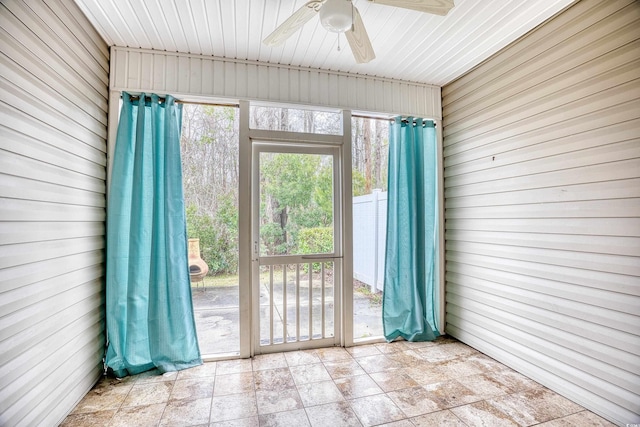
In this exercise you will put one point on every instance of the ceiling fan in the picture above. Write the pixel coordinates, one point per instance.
(341, 16)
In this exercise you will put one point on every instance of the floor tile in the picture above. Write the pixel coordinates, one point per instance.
(242, 382)
(337, 414)
(191, 389)
(302, 357)
(419, 344)
(243, 422)
(513, 381)
(457, 368)
(270, 401)
(94, 419)
(233, 366)
(304, 374)
(394, 380)
(344, 368)
(357, 386)
(154, 376)
(269, 361)
(486, 363)
(139, 416)
(186, 413)
(450, 393)
(273, 379)
(376, 409)
(444, 418)
(439, 383)
(377, 363)
(444, 339)
(319, 393)
(534, 406)
(579, 419)
(207, 369)
(447, 351)
(484, 386)
(391, 347)
(149, 393)
(408, 359)
(480, 414)
(401, 423)
(102, 398)
(333, 354)
(297, 418)
(414, 401)
(233, 406)
(425, 375)
(108, 381)
(363, 350)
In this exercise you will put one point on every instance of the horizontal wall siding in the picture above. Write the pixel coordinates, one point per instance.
(53, 129)
(139, 70)
(542, 206)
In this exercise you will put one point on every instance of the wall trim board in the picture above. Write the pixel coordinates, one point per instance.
(201, 77)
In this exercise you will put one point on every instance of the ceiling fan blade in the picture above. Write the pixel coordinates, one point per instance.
(293, 23)
(436, 7)
(359, 40)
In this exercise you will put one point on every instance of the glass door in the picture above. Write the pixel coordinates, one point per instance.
(296, 254)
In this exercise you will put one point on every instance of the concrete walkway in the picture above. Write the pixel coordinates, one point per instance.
(216, 312)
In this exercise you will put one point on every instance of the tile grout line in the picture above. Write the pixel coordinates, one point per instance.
(213, 391)
(326, 359)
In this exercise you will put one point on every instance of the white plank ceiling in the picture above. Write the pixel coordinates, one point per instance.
(409, 45)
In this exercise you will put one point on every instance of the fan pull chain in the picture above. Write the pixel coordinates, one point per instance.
(338, 42)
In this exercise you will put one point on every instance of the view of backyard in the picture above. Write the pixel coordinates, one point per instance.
(296, 216)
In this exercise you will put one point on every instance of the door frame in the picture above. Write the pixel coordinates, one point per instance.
(258, 260)
(344, 246)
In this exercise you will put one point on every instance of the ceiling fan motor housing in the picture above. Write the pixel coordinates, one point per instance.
(337, 15)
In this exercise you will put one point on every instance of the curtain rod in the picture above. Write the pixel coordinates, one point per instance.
(364, 116)
(359, 116)
(211, 104)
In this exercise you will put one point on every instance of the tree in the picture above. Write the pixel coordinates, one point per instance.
(369, 154)
(288, 186)
(297, 190)
(209, 151)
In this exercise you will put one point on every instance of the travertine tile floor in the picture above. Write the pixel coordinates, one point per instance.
(441, 383)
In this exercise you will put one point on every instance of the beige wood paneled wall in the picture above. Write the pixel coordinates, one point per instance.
(53, 129)
(542, 199)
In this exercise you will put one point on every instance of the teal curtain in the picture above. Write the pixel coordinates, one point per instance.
(409, 303)
(149, 310)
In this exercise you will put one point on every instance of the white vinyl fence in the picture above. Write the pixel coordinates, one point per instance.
(369, 236)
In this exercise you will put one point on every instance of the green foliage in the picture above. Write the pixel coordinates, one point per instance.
(317, 240)
(323, 194)
(296, 194)
(289, 178)
(272, 239)
(227, 214)
(218, 236)
(358, 183)
(296, 200)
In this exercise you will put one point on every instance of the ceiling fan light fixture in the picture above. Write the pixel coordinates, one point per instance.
(337, 15)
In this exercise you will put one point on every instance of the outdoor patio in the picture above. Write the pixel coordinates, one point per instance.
(216, 312)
